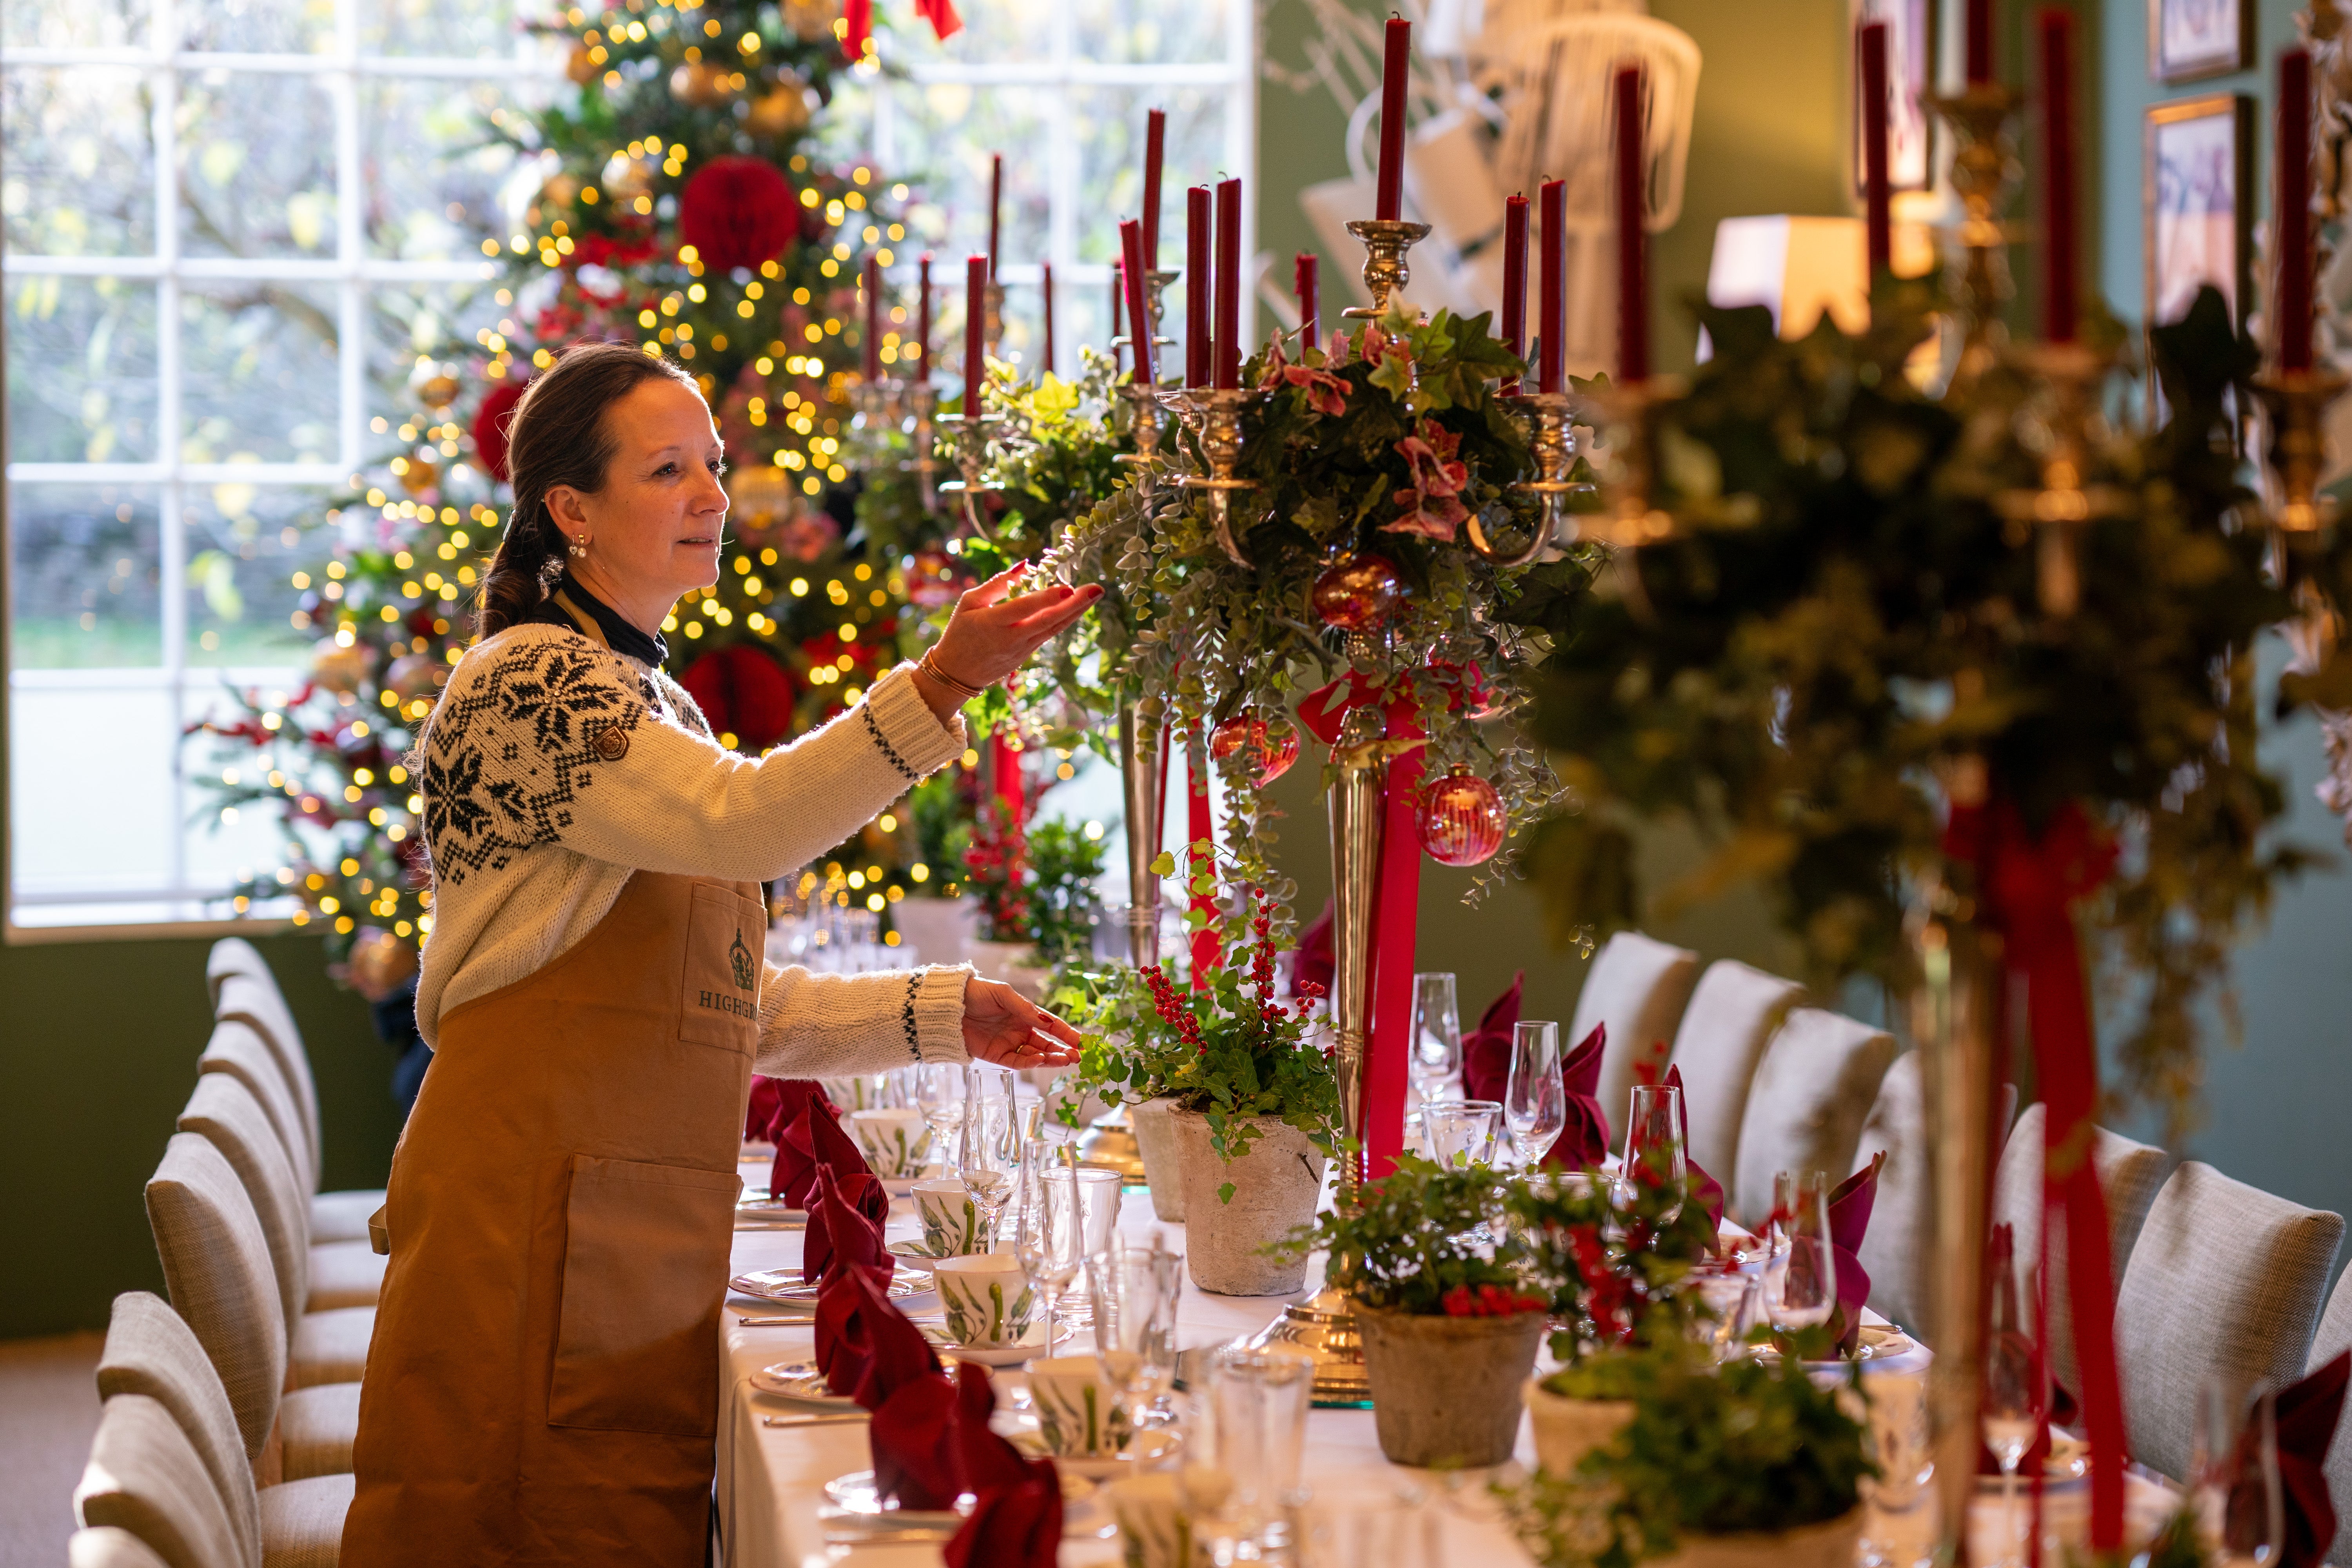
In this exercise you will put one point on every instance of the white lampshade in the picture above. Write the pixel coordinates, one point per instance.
(1797, 267)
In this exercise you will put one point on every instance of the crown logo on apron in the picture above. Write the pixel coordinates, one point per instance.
(740, 956)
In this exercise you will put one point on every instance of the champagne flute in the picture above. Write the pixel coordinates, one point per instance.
(1045, 1236)
(2245, 1525)
(1535, 1099)
(939, 1093)
(1135, 1289)
(991, 1146)
(1800, 1287)
(1653, 1140)
(2015, 1397)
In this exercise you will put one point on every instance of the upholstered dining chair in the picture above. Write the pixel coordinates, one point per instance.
(2225, 1282)
(2129, 1174)
(2333, 1338)
(1811, 1093)
(1637, 985)
(216, 1265)
(1895, 1248)
(146, 1478)
(109, 1546)
(314, 1276)
(1733, 1013)
(239, 1049)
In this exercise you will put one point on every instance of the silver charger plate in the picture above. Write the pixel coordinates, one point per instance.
(799, 1380)
(787, 1285)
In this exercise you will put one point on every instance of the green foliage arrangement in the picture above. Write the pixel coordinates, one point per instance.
(1063, 866)
(1061, 455)
(1623, 1253)
(1410, 1243)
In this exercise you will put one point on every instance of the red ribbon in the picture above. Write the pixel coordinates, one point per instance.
(2028, 887)
(1207, 951)
(858, 16)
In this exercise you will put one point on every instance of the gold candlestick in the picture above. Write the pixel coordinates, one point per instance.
(1386, 240)
(1985, 174)
(2066, 501)
(1629, 517)
(922, 401)
(1147, 399)
(993, 321)
(1220, 415)
(2295, 410)
(1155, 285)
(1552, 441)
(970, 431)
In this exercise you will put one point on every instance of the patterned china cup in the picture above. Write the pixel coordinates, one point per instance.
(1078, 1415)
(951, 1220)
(985, 1300)
(894, 1141)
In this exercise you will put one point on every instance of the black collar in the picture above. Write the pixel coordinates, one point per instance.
(570, 605)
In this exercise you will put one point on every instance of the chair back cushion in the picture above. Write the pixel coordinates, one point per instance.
(238, 1047)
(1732, 1015)
(217, 1265)
(144, 1477)
(1903, 1215)
(224, 1110)
(258, 1002)
(2225, 1282)
(234, 955)
(1813, 1089)
(151, 1352)
(2334, 1337)
(1638, 987)
(109, 1546)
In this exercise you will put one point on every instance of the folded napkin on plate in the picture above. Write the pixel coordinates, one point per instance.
(1583, 1141)
(809, 1135)
(1314, 960)
(1849, 1206)
(2307, 1416)
(1704, 1187)
(1016, 1517)
(760, 1110)
(913, 1440)
(844, 1225)
(1487, 1049)
(866, 1347)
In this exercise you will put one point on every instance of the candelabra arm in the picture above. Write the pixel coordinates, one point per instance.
(1629, 516)
(1220, 415)
(2295, 416)
(971, 432)
(1552, 441)
(2068, 500)
(922, 401)
(1985, 174)
(1386, 271)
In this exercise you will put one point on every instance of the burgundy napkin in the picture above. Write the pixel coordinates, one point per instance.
(809, 1135)
(760, 1112)
(845, 1226)
(1314, 959)
(1583, 1141)
(1487, 1049)
(866, 1347)
(1016, 1517)
(913, 1438)
(1849, 1206)
(1704, 1187)
(2307, 1417)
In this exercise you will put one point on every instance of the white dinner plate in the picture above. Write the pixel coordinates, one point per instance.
(854, 1493)
(799, 1380)
(787, 1285)
(911, 1255)
(1152, 1443)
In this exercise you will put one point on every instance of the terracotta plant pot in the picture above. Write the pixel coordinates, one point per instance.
(1276, 1187)
(1567, 1429)
(1445, 1391)
(1163, 1167)
(1832, 1543)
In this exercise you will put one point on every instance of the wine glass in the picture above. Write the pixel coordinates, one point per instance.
(1653, 1140)
(2246, 1526)
(1436, 1038)
(1135, 1289)
(939, 1094)
(2015, 1397)
(990, 1150)
(1801, 1285)
(1045, 1236)
(1462, 1133)
(1535, 1099)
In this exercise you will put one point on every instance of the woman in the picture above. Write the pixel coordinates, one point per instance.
(543, 1382)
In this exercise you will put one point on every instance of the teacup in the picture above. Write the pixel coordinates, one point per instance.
(894, 1141)
(951, 1220)
(862, 1093)
(1078, 1415)
(985, 1300)
(1153, 1524)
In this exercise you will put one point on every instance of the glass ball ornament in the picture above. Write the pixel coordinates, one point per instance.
(1273, 754)
(1461, 819)
(1356, 593)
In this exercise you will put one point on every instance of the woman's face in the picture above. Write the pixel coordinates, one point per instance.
(654, 531)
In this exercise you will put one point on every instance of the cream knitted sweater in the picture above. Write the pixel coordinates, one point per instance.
(552, 767)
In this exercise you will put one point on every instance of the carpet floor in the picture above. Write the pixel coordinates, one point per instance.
(48, 1412)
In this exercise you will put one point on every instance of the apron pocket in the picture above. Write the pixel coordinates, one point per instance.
(645, 1269)
(726, 938)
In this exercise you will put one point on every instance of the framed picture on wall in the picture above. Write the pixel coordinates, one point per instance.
(2199, 199)
(1910, 128)
(2191, 39)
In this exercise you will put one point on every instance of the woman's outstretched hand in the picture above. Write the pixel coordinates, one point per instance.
(1004, 1027)
(994, 631)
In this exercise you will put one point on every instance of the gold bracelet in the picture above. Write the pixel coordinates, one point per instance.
(931, 666)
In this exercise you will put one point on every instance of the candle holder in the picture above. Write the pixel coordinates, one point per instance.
(970, 431)
(1628, 518)
(922, 401)
(1147, 399)
(1220, 415)
(1551, 440)
(993, 326)
(2065, 503)
(2294, 410)
(1386, 240)
(1985, 174)
(1156, 284)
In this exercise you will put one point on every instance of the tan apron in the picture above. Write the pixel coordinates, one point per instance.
(543, 1382)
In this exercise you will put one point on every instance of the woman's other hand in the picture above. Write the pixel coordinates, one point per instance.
(1004, 1027)
(994, 631)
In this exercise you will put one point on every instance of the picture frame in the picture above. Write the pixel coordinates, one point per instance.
(2197, 201)
(1910, 124)
(2189, 40)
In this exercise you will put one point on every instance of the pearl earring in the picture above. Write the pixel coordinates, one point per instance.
(579, 547)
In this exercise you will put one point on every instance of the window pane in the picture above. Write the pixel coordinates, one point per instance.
(258, 373)
(434, 322)
(1151, 32)
(1108, 126)
(992, 34)
(450, 29)
(82, 757)
(76, 25)
(432, 186)
(257, 27)
(945, 132)
(82, 166)
(81, 370)
(245, 544)
(256, 165)
(85, 580)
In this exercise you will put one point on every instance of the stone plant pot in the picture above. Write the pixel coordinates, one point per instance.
(939, 929)
(1445, 1391)
(1163, 1166)
(1008, 961)
(1833, 1544)
(1275, 1186)
(1567, 1429)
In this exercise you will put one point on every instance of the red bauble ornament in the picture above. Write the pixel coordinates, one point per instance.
(491, 423)
(743, 692)
(1358, 592)
(737, 212)
(1273, 754)
(1461, 819)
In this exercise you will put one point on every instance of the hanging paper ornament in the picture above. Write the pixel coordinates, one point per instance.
(490, 422)
(580, 65)
(743, 692)
(737, 212)
(380, 963)
(340, 670)
(625, 177)
(698, 84)
(808, 537)
(782, 112)
(416, 674)
(759, 499)
(934, 581)
(1272, 754)
(418, 475)
(1461, 819)
(1358, 592)
(559, 192)
(811, 20)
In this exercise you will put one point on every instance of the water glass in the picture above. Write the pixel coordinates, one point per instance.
(2015, 1401)
(1730, 1295)
(2237, 1441)
(1136, 1290)
(1260, 1396)
(939, 1095)
(1534, 1098)
(1436, 1038)
(1460, 1132)
(1800, 1285)
(989, 1152)
(1654, 1139)
(1045, 1233)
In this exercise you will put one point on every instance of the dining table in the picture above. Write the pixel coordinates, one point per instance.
(774, 1463)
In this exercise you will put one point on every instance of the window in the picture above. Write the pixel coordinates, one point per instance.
(230, 226)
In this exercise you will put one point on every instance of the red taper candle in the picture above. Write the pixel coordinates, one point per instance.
(1633, 217)
(1306, 281)
(975, 332)
(872, 344)
(2295, 210)
(1515, 284)
(1139, 309)
(923, 318)
(1227, 365)
(1552, 314)
(1388, 199)
(1118, 299)
(1196, 286)
(1046, 288)
(2060, 269)
(1155, 148)
(995, 208)
(1976, 42)
(1878, 213)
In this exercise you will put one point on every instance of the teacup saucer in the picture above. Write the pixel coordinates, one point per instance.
(1031, 1346)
